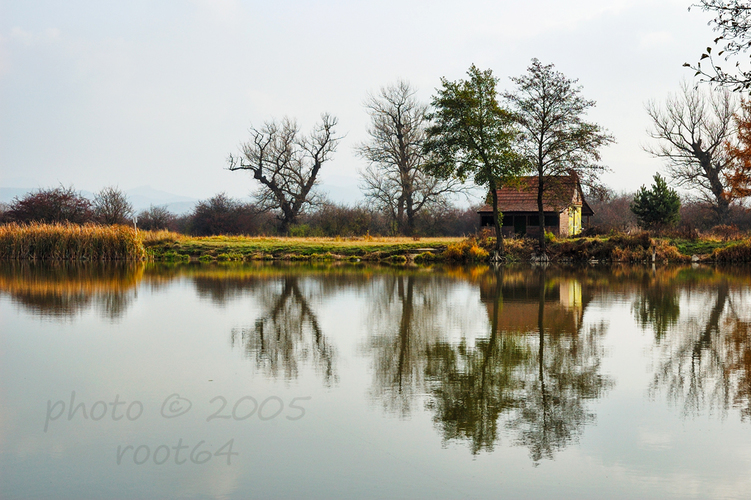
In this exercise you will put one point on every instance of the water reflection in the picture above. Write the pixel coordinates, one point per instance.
(405, 319)
(533, 374)
(287, 334)
(704, 356)
(495, 356)
(64, 289)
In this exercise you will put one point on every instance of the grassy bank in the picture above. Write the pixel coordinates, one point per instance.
(70, 242)
(106, 243)
(164, 245)
(640, 247)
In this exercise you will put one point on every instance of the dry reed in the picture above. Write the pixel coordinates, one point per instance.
(70, 242)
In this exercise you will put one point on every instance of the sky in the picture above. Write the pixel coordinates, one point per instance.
(135, 93)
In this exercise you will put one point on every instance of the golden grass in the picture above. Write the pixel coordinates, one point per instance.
(150, 237)
(69, 242)
(736, 252)
(161, 236)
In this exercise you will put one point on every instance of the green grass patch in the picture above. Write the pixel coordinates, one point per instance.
(279, 248)
(698, 247)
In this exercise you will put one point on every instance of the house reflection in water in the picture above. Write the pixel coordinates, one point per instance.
(522, 296)
(530, 378)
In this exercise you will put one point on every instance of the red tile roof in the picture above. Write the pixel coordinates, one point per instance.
(559, 194)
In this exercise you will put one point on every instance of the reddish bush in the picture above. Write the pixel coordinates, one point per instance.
(51, 206)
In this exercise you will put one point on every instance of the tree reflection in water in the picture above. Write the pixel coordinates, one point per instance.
(288, 334)
(408, 314)
(529, 376)
(657, 304)
(704, 359)
(532, 374)
(553, 409)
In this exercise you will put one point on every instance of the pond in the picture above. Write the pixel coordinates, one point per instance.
(352, 381)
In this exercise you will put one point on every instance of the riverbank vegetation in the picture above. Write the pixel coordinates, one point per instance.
(89, 242)
(80, 242)
(615, 247)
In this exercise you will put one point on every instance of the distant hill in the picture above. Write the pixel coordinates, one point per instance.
(141, 197)
(144, 196)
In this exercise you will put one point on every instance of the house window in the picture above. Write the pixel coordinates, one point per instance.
(508, 220)
(534, 220)
(551, 220)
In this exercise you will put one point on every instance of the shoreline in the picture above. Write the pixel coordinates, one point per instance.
(68, 242)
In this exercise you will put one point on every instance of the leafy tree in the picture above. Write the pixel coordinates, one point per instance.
(471, 135)
(393, 180)
(286, 164)
(658, 206)
(733, 21)
(111, 206)
(555, 139)
(56, 205)
(693, 130)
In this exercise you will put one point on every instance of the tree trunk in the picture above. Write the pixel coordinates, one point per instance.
(499, 246)
(713, 174)
(541, 214)
(723, 210)
(410, 229)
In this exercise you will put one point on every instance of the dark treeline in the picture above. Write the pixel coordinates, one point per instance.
(222, 214)
(613, 213)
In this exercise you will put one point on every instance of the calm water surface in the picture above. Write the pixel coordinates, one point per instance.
(346, 381)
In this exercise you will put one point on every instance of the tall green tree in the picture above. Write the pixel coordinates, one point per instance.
(555, 139)
(472, 136)
(658, 206)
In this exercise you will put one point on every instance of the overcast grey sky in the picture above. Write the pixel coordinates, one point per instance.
(158, 93)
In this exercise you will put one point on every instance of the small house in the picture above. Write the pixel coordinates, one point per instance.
(564, 207)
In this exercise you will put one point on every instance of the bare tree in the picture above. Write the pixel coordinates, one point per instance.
(111, 206)
(156, 218)
(286, 164)
(693, 130)
(393, 181)
(4, 207)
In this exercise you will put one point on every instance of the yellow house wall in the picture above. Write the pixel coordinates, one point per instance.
(574, 220)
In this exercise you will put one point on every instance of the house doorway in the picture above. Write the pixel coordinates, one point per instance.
(520, 224)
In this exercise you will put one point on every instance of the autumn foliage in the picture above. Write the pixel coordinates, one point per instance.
(738, 178)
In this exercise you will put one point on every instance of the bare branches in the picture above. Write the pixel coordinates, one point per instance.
(111, 206)
(286, 163)
(693, 129)
(393, 181)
